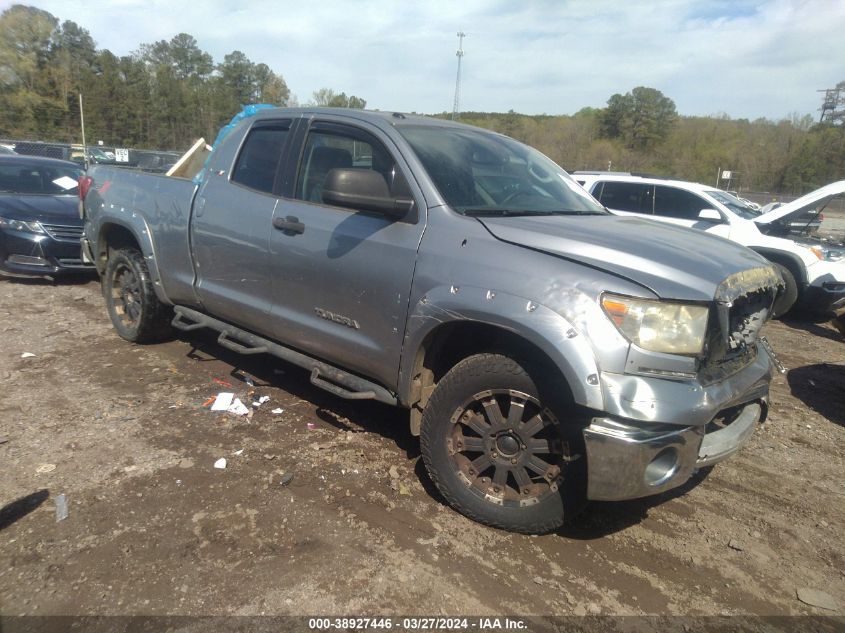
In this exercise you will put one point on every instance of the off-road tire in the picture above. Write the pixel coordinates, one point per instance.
(501, 377)
(136, 313)
(785, 302)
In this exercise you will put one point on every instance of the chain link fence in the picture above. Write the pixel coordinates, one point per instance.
(144, 159)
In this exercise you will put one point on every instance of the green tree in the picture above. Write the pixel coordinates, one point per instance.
(26, 100)
(326, 97)
(641, 118)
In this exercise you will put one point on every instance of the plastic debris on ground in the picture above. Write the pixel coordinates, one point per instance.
(311, 426)
(278, 411)
(46, 468)
(223, 401)
(260, 401)
(220, 463)
(242, 376)
(61, 508)
(238, 452)
(222, 382)
(27, 355)
(238, 408)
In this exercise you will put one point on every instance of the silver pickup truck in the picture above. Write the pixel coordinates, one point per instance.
(548, 351)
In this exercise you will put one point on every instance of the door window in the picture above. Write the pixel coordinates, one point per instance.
(259, 157)
(671, 202)
(336, 149)
(628, 196)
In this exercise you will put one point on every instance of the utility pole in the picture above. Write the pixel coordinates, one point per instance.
(457, 105)
(82, 124)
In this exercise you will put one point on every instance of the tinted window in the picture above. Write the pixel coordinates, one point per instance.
(332, 149)
(39, 179)
(677, 203)
(628, 196)
(259, 157)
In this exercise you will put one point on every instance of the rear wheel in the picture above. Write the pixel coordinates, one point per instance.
(132, 304)
(495, 447)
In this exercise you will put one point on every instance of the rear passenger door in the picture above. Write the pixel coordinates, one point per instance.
(342, 277)
(231, 230)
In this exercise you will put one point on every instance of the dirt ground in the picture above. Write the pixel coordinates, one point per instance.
(154, 528)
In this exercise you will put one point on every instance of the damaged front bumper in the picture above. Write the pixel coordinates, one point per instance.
(654, 442)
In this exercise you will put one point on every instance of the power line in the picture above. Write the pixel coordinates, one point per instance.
(456, 107)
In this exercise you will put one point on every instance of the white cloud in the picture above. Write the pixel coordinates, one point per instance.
(748, 58)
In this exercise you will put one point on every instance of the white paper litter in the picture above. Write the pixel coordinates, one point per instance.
(277, 411)
(61, 508)
(220, 463)
(238, 452)
(260, 401)
(27, 355)
(223, 401)
(238, 408)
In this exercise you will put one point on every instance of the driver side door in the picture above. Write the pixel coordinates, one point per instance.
(342, 277)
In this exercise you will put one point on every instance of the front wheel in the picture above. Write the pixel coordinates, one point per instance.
(495, 447)
(789, 296)
(134, 309)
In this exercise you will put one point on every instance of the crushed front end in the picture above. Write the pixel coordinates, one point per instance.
(664, 418)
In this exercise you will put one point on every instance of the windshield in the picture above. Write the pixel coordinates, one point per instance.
(734, 204)
(53, 180)
(482, 173)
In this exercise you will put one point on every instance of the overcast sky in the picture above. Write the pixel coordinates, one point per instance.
(745, 58)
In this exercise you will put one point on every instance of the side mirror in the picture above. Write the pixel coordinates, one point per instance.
(710, 215)
(364, 190)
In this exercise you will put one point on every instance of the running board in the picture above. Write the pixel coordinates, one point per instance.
(325, 376)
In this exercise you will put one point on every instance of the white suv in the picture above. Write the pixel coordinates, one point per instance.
(813, 272)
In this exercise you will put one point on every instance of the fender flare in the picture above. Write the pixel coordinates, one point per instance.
(564, 344)
(135, 224)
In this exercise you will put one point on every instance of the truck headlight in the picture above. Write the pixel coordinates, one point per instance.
(20, 225)
(658, 326)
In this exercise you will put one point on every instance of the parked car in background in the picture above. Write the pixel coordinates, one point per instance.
(40, 227)
(814, 278)
(95, 155)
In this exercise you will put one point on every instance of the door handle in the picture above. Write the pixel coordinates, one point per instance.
(289, 225)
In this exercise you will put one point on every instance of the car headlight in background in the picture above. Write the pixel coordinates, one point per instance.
(658, 326)
(20, 225)
(826, 254)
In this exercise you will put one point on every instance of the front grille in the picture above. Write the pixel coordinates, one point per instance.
(63, 232)
(743, 305)
(746, 317)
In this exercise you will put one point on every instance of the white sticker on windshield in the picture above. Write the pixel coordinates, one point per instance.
(65, 182)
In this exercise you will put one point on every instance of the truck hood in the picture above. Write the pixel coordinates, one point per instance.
(40, 208)
(672, 262)
(812, 200)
